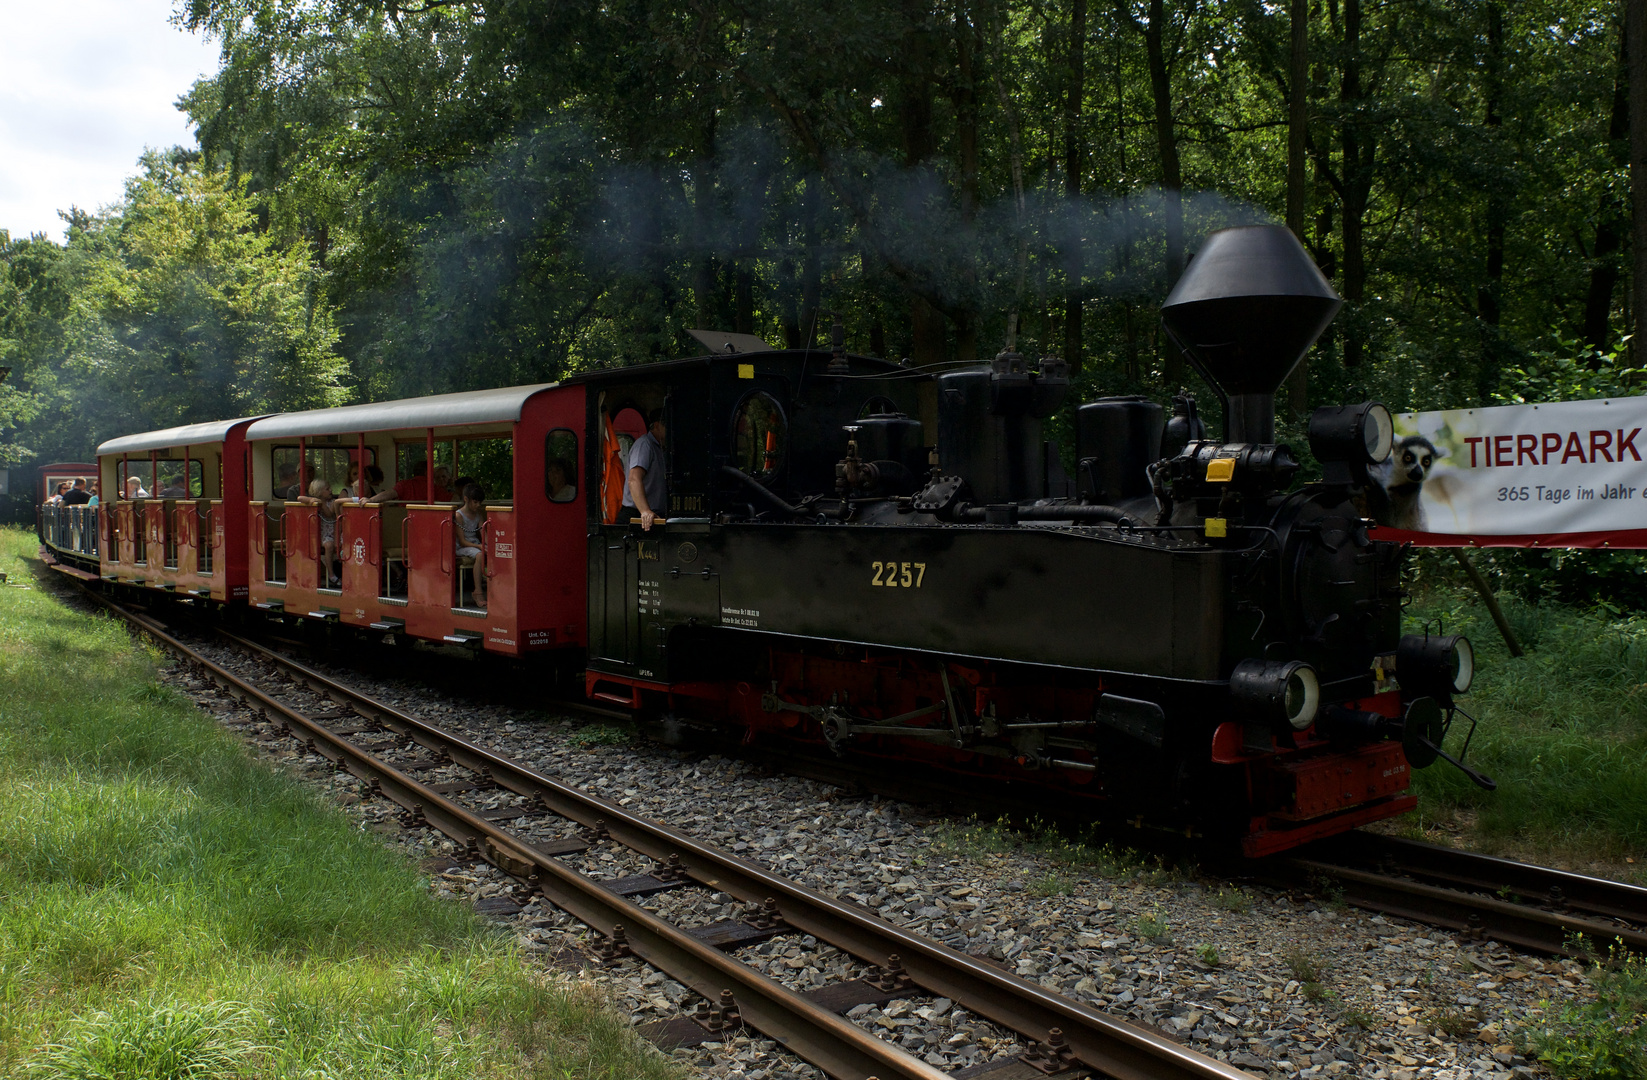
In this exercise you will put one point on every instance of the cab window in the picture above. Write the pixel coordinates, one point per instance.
(759, 435)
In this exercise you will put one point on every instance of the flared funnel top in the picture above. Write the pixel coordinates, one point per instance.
(1248, 307)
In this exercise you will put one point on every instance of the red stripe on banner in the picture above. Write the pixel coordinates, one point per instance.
(1617, 538)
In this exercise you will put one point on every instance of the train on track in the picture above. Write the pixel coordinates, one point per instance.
(869, 559)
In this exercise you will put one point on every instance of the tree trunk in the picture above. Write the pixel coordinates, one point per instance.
(1636, 37)
(915, 127)
(1298, 74)
(1074, 260)
(1172, 179)
(1357, 185)
(706, 275)
(1598, 300)
(968, 55)
(1490, 296)
(743, 299)
(811, 263)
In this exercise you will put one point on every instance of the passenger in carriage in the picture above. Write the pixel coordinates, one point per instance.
(174, 488)
(560, 481)
(415, 488)
(287, 486)
(56, 498)
(77, 495)
(135, 488)
(471, 536)
(374, 481)
(320, 494)
(94, 500)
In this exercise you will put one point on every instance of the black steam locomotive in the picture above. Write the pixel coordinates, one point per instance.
(1175, 628)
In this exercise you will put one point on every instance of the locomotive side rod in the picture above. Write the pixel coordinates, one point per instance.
(834, 1044)
(1111, 1046)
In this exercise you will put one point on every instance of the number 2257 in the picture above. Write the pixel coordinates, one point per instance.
(899, 575)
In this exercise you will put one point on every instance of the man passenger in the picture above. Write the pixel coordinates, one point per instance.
(647, 490)
(135, 488)
(415, 488)
(77, 495)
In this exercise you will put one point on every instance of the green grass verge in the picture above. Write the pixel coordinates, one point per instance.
(1563, 729)
(169, 907)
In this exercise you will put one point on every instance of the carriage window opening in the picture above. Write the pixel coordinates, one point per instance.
(487, 462)
(560, 465)
(409, 455)
(179, 479)
(135, 469)
(759, 435)
(328, 463)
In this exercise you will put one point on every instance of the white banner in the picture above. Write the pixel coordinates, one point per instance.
(1567, 474)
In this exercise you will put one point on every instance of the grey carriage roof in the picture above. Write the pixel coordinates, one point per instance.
(187, 435)
(503, 404)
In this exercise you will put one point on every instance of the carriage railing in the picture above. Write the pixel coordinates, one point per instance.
(274, 543)
(205, 535)
(140, 532)
(168, 533)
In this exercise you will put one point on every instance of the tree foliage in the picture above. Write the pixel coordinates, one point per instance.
(410, 197)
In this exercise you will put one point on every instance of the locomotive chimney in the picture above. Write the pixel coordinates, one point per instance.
(1247, 309)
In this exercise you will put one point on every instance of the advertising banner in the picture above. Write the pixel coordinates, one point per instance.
(1567, 474)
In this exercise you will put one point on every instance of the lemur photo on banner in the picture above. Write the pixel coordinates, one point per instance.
(1565, 474)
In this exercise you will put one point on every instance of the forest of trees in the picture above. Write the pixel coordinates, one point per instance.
(393, 199)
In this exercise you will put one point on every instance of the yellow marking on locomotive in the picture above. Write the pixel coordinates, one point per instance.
(1220, 470)
(746, 371)
(896, 575)
(1217, 527)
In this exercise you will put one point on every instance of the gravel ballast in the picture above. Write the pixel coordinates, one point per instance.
(1279, 985)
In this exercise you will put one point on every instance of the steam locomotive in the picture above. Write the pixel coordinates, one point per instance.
(886, 564)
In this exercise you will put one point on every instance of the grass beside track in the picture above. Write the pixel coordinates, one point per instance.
(169, 907)
(1563, 729)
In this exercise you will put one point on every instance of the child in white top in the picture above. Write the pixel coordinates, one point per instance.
(471, 536)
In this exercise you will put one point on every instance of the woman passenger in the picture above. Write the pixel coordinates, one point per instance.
(320, 494)
(471, 536)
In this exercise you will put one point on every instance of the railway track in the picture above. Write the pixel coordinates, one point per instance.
(1531, 907)
(1525, 906)
(1064, 1038)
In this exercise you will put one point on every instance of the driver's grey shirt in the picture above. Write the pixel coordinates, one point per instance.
(647, 454)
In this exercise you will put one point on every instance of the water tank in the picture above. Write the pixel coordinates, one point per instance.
(1000, 456)
(1117, 438)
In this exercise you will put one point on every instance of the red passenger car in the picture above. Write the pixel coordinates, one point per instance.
(396, 566)
(174, 509)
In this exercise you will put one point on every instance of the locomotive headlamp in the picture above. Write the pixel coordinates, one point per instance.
(1358, 434)
(1282, 690)
(1435, 665)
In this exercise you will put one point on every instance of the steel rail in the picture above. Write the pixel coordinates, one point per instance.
(819, 1035)
(1101, 1042)
(1560, 889)
(1475, 894)
(1525, 927)
(838, 1047)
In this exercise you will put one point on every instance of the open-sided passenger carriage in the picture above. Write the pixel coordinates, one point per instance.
(185, 532)
(69, 531)
(397, 567)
